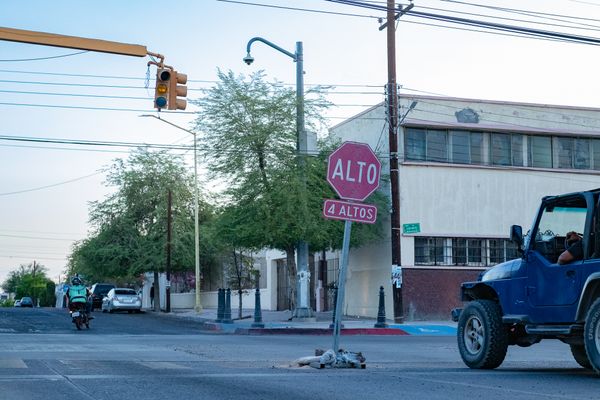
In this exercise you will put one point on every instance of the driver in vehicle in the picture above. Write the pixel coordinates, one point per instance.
(574, 249)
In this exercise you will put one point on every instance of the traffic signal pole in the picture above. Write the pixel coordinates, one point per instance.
(74, 42)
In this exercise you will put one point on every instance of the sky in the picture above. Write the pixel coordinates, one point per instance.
(65, 94)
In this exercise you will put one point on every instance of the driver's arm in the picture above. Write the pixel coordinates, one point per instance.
(565, 257)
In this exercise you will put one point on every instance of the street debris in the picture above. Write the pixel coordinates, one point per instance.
(328, 359)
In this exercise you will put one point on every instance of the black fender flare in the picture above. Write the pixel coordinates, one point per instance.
(478, 290)
(590, 292)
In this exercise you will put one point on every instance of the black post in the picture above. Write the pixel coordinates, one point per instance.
(258, 322)
(220, 305)
(381, 312)
(227, 315)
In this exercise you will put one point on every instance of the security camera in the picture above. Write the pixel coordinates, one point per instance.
(248, 59)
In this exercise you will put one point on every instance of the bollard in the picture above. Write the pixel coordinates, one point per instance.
(381, 312)
(258, 322)
(220, 305)
(227, 314)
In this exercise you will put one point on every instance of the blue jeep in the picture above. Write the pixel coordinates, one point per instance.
(522, 301)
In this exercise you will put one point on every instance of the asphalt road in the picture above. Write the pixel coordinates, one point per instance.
(145, 356)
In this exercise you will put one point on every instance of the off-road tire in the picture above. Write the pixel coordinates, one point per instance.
(579, 354)
(482, 338)
(591, 335)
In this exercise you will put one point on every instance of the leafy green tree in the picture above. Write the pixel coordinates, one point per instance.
(130, 225)
(248, 128)
(30, 280)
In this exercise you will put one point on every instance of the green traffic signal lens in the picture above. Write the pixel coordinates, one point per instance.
(161, 102)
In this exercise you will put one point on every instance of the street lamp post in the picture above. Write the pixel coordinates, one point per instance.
(303, 309)
(198, 304)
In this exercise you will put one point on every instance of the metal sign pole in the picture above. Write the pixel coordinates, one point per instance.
(341, 286)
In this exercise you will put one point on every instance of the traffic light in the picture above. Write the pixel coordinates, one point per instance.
(161, 93)
(176, 90)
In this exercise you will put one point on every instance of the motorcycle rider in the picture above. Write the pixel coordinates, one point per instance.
(78, 293)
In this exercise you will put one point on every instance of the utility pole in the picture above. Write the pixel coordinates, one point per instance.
(169, 225)
(392, 93)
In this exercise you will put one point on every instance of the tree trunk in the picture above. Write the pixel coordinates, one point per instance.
(291, 266)
(240, 304)
(156, 292)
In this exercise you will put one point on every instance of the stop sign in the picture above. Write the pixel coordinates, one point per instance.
(353, 171)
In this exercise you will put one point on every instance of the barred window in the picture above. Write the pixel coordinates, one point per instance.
(474, 252)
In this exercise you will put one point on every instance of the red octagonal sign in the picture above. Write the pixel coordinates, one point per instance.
(353, 171)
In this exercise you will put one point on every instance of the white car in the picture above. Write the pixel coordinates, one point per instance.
(121, 299)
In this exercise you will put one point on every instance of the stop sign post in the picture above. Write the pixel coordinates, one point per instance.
(353, 171)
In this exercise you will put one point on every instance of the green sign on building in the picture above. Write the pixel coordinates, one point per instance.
(411, 228)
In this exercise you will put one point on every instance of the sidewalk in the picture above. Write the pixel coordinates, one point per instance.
(281, 323)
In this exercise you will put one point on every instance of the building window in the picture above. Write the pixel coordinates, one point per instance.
(414, 144)
(437, 146)
(500, 149)
(429, 251)
(540, 151)
(595, 154)
(564, 152)
(581, 158)
(474, 252)
(517, 150)
(460, 145)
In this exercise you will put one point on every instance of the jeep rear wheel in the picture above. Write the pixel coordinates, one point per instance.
(591, 335)
(482, 338)
(579, 354)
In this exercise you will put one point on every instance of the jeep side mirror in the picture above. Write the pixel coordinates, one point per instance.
(516, 235)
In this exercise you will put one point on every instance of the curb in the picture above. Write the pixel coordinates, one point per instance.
(221, 328)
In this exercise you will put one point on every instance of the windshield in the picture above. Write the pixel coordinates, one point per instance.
(556, 220)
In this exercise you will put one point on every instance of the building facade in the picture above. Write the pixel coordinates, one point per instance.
(469, 169)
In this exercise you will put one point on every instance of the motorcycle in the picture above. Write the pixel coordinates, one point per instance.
(80, 316)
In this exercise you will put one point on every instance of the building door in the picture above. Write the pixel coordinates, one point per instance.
(283, 289)
(331, 278)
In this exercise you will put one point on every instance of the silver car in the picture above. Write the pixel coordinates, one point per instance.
(121, 299)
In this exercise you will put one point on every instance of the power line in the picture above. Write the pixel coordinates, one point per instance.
(36, 237)
(50, 186)
(93, 142)
(526, 32)
(46, 58)
(93, 108)
(247, 3)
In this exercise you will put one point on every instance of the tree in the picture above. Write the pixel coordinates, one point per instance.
(248, 128)
(31, 280)
(130, 225)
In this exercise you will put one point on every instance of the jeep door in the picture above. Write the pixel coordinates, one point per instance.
(553, 289)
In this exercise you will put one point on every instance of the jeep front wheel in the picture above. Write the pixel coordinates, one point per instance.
(591, 335)
(482, 338)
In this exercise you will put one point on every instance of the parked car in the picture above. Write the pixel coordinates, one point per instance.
(17, 303)
(122, 299)
(27, 302)
(99, 291)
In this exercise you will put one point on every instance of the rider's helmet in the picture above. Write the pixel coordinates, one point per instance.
(76, 280)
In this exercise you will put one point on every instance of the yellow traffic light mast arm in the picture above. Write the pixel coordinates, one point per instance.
(74, 42)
